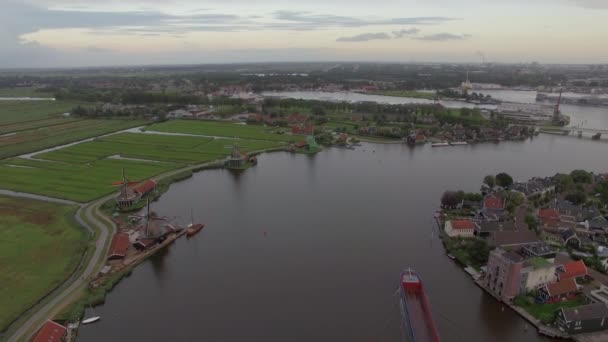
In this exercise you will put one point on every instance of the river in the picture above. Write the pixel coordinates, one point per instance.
(309, 248)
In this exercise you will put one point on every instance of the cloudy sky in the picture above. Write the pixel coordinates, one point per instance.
(62, 33)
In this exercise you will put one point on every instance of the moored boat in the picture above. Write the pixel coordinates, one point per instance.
(193, 229)
(440, 144)
(459, 143)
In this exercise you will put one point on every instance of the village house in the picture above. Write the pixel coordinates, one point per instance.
(537, 272)
(460, 228)
(503, 274)
(534, 187)
(573, 269)
(538, 249)
(583, 319)
(50, 331)
(493, 208)
(118, 246)
(566, 289)
(512, 240)
(486, 228)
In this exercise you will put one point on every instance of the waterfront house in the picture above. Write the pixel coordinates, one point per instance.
(460, 228)
(555, 292)
(536, 273)
(50, 331)
(118, 246)
(503, 274)
(547, 215)
(574, 269)
(583, 319)
(512, 239)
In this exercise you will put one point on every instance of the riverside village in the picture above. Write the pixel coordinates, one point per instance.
(538, 246)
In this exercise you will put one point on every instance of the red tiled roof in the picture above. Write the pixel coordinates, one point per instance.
(119, 245)
(574, 269)
(301, 143)
(145, 187)
(562, 287)
(462, 224)
(50, 332)
(492, 202)
(548, 214)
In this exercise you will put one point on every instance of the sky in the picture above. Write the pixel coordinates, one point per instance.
(76, 33)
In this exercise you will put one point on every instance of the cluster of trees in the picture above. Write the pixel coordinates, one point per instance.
(451, 199)
(502, 179)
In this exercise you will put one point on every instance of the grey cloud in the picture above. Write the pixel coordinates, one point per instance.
(405, 32)
(308, 18)
(95, 49)
(596, 4)
(442, 37)
(364, 37)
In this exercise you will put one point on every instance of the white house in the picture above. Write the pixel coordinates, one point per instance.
(460, 228)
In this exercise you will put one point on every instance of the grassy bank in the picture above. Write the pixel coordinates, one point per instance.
(545, 312)
(223, 129)
(406, 93)
(40, 246)
(20, 111)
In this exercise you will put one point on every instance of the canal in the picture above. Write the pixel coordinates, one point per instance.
(309, 248)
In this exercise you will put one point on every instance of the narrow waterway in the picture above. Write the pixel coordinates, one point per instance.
(309, 248)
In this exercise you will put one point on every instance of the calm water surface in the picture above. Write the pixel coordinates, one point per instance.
(309, 248)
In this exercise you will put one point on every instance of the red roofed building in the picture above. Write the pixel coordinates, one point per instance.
(50, 332)
(555, 292)
(302, 129)
(548, 216)
(573, 269)
(145, 187)
(460, 228)
(296, 118)
(119, 246)
(301, 144)
(493, 202)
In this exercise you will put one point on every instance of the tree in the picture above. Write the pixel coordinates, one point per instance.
(451, 199)
(318, 110)
(479, 251)
(581, 176)
(563, 182)
(531, 222)
(504, 180)
(490, 181)
(578, 197)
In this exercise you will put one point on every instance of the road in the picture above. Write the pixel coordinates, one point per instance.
(37, 197)
(43, 312)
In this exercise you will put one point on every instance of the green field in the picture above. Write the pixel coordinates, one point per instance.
(84, 172)
(545, 312)
(19, 111)
(40, 245)
(27, 141)
(23, 92)
(223, 129)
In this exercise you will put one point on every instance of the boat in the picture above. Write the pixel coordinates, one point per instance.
(91, 319)
(458, 143)
(417, 319)
(193, 228)
(440, 144)
(451, 256)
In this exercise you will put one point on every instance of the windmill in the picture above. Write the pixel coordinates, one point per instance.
(236, 160)
(151, 228)
(127, 196)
